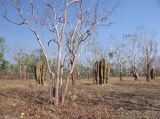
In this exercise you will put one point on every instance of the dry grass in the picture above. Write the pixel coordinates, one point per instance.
(127, 99)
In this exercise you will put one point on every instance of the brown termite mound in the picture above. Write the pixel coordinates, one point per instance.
(41, 72)
(101, 72)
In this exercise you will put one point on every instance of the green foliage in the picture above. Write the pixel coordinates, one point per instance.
(13, 68)
(73, 95)
(31, 63)
(1, 56)
(25, 62)
(2, 49)
(111, 54)
(39, 54)
(157, 71)
(114, 71)
(3, 63)
(84, 71)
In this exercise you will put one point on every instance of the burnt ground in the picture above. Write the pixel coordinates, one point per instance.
(126, 99)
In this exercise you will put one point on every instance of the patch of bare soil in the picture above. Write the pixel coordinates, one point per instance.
(126, 99)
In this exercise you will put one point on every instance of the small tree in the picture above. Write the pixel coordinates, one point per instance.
(132, 50)
(58, 22)
(119, 51)
(148, 48)
(21, 59)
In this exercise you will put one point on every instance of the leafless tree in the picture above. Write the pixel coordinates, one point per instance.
(121, 58)
(132, 50)
(22, 61)
(59, 18)
(96, 52)
(119, 51)
(148, 48)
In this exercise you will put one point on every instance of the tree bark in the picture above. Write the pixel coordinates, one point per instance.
(121, 74)
(58, 75)
(67, 82)
(148, 72)
(72, 76)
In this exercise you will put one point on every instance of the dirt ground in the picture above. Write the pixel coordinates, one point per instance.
(127, 99)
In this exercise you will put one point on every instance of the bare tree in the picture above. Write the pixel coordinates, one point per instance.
(119, 52)
(56, 18)
(132, 50)
(121, 58)
(96, 52)
(21, 60)
(148, 48)
(73, 48)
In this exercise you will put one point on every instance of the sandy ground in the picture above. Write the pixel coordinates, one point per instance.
(127, 99)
